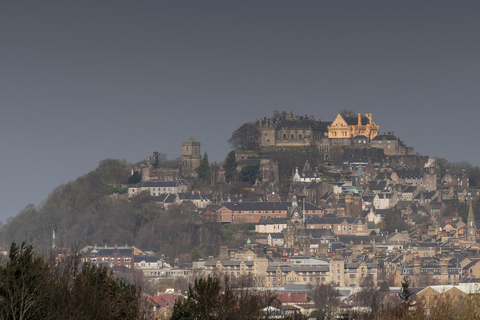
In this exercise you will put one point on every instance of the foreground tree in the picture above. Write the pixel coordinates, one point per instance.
(211, 298)
(246, 137)
(32, 287)
(327, 299)
(23, 293)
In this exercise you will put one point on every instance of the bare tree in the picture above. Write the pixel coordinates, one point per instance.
(327, 298)
(246, 137)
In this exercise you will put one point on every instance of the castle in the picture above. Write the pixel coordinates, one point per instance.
(287, 129)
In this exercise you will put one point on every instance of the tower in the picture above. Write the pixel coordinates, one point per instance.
(294, 222)
(190, 157)
(471, 227)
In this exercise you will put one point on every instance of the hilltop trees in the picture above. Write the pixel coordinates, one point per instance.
(246, 137)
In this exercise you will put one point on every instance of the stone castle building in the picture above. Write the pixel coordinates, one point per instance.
(351, 126)
(287, 129)
(190, 157)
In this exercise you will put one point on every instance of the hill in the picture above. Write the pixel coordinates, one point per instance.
(82, 212)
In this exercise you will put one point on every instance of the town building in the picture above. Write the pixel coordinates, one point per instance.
(157, 188)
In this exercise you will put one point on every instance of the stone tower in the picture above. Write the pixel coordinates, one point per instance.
(190, 157)
(294, 222)
(471, 227)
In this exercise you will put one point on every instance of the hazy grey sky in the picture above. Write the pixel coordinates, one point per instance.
(88, 80)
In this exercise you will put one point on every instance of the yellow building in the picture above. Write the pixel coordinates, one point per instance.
(351, 126)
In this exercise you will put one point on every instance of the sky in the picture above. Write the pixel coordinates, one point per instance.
(88, 80)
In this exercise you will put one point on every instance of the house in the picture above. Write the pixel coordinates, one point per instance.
(150, 266)
(421, 177)
(111, 256)
(158, 187)
(339, 225)
(270, 225)
(391, 145)
(282, 273)
(456, 180)
(307, 175)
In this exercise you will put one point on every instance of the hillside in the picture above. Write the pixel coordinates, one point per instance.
(82, 213)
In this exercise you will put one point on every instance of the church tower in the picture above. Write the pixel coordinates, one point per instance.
(190, 157)
(471, 227)
(294, 222)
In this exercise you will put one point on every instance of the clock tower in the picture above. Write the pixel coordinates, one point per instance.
(471, 227)
(294, 222)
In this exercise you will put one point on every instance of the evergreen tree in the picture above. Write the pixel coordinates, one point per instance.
(406, 292)
(203, 170)
(210, 298)
(250, 174)
(230, 166)
(384, 287)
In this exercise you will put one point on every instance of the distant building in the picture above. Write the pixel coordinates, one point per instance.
(391, 145)
(190, 157)
(156, 188)
(344, 127)
(252, 212)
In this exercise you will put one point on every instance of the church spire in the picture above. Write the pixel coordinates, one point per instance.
(471, 217)
(471, 227)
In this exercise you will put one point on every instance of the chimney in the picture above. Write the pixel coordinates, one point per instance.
(359, 119)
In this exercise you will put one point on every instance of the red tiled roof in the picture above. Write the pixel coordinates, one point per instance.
(292, 297)
(165, 300)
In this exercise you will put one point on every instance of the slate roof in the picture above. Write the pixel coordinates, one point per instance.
(228, 263)
(377, 185)
(190, 196)
(384, 137)
(166, 197)
(353, 121)
(409, 189)
(145, 258)
(332, 219)
(299, 268)
(263, 206)
(109, 251)
(314, 233)
(298, 124)
(269, 220)
(368, 198)
(416, 173)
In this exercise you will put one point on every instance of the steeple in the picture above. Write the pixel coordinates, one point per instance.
(471, 227)
(470, 214)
